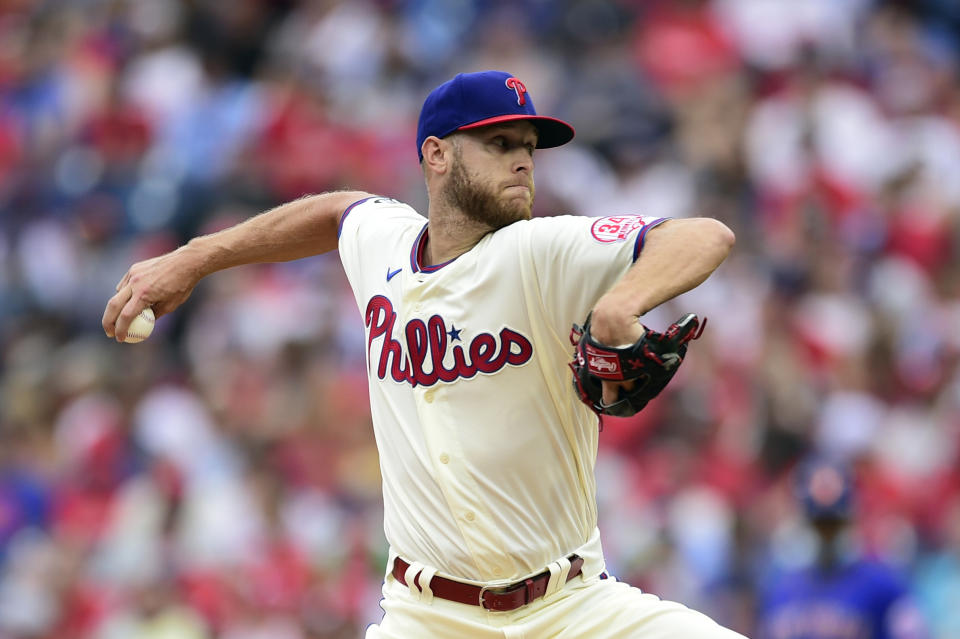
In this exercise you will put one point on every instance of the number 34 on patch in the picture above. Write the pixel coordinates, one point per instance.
(616, 228)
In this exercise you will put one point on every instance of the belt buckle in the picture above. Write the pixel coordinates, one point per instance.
(484, 589)
(497, 590)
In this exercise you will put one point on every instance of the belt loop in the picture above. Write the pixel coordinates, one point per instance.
(554, 583)
(410, 576)
(558, 576)
(426, 576)
(528, 595)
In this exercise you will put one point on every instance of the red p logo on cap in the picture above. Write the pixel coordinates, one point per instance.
(518, 86)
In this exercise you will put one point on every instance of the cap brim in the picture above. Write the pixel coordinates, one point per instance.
(551, 132)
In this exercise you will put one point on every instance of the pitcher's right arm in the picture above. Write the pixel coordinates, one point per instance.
(300, 228)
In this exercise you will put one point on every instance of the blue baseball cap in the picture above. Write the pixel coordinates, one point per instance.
(472, 100)
(825, 488)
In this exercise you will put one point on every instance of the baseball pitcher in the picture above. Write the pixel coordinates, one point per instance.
(493, 342)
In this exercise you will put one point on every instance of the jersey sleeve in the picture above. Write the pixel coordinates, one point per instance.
(578, 259)
(367, 227)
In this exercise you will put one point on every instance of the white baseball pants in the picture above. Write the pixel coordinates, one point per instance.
(582, 609)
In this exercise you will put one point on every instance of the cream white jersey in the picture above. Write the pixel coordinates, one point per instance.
(486, 453)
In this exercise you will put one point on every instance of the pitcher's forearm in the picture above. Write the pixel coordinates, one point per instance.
(291, 231)
(677, 256)
(301, 228)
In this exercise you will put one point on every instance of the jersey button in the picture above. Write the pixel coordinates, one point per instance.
(470, 516)
(444, 458)
(496, 572)
(428, 396)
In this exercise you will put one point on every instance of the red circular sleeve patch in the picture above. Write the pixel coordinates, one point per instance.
(617, 228)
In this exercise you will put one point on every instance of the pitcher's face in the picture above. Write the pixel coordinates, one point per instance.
(491, 180)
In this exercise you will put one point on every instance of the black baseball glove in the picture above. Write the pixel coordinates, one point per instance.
(650, 363)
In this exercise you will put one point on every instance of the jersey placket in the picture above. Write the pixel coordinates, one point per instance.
(438, 418)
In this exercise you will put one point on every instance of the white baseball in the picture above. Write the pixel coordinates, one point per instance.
(141, 326)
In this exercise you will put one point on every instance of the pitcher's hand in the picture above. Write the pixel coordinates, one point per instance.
(162, 283)
(613, 326)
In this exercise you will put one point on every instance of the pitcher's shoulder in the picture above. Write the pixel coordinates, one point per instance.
(379, 211)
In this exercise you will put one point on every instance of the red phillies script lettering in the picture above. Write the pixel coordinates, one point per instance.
(427, 342)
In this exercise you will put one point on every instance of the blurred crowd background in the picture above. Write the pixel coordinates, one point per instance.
(220, 480)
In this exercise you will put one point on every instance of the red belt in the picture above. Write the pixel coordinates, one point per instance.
(499, 598)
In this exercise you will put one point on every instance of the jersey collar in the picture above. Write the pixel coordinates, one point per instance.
(416, 254)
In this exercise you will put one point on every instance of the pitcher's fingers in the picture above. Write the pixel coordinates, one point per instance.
(123, 280)
(611, 390)
(609, 393)
(130, 310)
(114, 306)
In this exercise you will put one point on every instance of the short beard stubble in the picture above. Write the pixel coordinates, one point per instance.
(478, 202)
